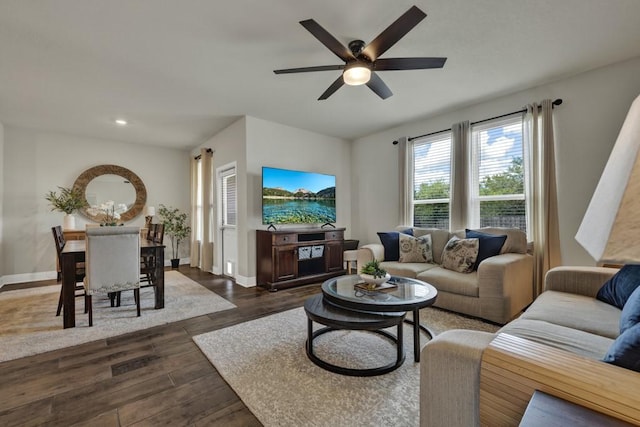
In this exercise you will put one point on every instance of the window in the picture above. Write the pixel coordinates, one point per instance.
(493, 192)
(432, 181)
(497, 178)
(229, 197)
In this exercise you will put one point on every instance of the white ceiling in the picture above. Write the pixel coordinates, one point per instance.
(182, 70)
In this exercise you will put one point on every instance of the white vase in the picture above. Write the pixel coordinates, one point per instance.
(69, 222)
(368, 278)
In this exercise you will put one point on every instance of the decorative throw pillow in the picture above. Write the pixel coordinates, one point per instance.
(460, 254)
(631, 311)
(625, 350)
(617, 290)
(490, 244)
(415, 249)
(391, 242)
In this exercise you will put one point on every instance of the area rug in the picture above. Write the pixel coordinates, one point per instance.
(264, 361)
(29, 325)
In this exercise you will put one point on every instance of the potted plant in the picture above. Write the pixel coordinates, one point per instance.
(68, 201)
(175, 226)
(373, 274)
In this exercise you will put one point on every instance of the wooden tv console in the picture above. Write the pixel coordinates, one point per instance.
(287, 258)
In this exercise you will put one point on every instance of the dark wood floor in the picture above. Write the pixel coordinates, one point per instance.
(156, 376)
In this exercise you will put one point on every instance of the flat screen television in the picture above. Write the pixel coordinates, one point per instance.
(297, 197)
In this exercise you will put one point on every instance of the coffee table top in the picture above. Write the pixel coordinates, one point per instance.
(410, 294)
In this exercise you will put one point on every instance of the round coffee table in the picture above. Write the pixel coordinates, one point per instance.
(337, 318)
(406, 295)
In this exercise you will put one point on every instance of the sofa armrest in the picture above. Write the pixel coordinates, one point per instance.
(513, 368)
(578, 280)
(450, 378)
(368, 253)
(505, 285)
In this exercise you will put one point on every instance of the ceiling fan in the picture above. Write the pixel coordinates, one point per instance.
(362, 61)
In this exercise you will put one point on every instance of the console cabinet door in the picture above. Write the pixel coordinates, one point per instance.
(334, 256)
(286, 262)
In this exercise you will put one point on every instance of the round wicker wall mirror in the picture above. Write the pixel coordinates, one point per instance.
(111, 189)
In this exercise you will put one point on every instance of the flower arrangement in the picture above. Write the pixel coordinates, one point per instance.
(175, 226)
(68, 201)
(107, 213)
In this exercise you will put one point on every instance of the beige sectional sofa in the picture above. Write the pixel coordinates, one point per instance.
(500, 288)
(470, 378)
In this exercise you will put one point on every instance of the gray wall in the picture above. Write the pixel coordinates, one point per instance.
(253, 143)
(36, 162)
(587, 124)
(2, 166)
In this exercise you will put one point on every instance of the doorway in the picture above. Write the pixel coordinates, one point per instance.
(227, 185)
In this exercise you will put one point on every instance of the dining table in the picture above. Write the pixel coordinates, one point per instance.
(74, 252)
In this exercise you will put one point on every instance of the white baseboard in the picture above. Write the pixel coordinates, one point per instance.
(28, 277)
(247, 282)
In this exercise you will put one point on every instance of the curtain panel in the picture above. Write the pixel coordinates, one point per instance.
(195, 223)
(202, 210)
(460, 176)
(405, 166)
(542, 199)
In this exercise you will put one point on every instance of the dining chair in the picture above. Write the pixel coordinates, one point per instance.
(59, 240)
(147, 271)
(112, 263)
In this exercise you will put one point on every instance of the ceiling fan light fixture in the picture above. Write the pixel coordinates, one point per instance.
(356, 75)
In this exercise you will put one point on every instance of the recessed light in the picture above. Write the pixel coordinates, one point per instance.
(121, 122)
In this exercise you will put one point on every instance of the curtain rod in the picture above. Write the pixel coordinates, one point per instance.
(199, 156)
(558, 101)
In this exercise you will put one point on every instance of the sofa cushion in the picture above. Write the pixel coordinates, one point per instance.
(573, 340)
(451, 281)
(489, 244)
(406, 269)
(631, 311)
(625, 350)
(617, 290)
(439, 238)
(391, 242)
(575, 311)
(460, 254)
(415, 249)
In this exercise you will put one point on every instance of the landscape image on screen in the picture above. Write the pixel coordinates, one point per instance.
(295, 197)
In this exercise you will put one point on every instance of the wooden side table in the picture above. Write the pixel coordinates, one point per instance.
(550, 411)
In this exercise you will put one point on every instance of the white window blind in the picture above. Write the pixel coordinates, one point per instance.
(229, 202)
(432, 181)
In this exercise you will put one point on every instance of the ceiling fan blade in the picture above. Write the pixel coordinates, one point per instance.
(394, 32)
(328, 40)
(331, 90)
(308, 69)
(386, 64)
(376, 84)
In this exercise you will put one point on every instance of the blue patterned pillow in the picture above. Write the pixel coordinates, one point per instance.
(625, 350)
(391, 242)
(490, 244)
(617, 290)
